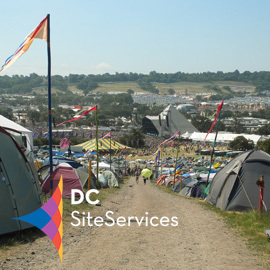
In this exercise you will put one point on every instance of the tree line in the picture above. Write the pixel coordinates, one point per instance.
(87, 83)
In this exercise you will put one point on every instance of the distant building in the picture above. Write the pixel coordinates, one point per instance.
(167, 123)
(185, 107)
(251, 124)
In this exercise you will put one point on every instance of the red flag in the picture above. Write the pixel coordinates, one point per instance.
(121, 151)
(92, 109)
(107, 135)
(64, 143)
(216, 118)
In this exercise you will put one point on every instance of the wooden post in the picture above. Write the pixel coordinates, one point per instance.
(89, 174)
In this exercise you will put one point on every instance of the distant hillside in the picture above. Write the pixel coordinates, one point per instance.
(159, 83)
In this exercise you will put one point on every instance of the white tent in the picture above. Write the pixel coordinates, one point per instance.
(103, 165)
(12, 126)
(225, 137)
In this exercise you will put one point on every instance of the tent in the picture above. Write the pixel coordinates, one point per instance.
(103, 144)
(10, 125)
(187, 189)
(23, 136)
(112, 181)
(19, 189)
(185, 181)
(234, 187)
(71, 179)
(61, 159)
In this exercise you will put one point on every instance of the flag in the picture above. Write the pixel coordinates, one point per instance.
(107, 135)
(177, 170)
(64, 143)
(216, 118)
(173, 136)
(92, 109)
(121, 151)
(39, 32)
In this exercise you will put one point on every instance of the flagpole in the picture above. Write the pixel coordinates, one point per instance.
(212, 154)
(110, 151)
(97, 182)
(161, 162)
(176, 160)
(49, 103)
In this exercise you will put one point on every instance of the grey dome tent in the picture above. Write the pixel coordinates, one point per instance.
(234, 187)
(19, 189)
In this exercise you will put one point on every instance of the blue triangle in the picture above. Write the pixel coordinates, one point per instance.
(38, 218)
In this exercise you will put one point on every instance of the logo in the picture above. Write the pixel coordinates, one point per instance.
(48, 218)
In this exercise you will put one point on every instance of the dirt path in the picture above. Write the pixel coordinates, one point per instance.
(200, 241)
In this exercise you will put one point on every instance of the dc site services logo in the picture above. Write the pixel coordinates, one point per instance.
(48, 218)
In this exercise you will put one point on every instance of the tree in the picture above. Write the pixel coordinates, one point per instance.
(264, 130)
(130, 91)
(134, 139)
(241, 143)
(34, 116)
(203, 124)
(171, 91)
(7, 113)
(264, 146)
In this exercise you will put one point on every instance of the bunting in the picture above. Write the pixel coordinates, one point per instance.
(171, 138)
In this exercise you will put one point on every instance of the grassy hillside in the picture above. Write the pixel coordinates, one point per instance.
(118, 87)
(192, 88)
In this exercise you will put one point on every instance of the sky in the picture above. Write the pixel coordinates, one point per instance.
(166, 36)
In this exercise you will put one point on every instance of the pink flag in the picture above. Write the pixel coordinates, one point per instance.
(107, 135)
(64, 143)
(216, 118)
(173, 136)
(92, 109)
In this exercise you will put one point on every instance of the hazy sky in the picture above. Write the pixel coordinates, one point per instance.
(99, 36)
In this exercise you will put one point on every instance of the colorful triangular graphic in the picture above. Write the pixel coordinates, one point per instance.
(48, 218)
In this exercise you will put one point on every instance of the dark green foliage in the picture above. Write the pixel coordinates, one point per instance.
(203, 124)
(25, 84)
(241, 143)
(264, 146)
(133, 139)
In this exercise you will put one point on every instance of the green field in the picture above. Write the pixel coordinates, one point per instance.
(122, 87)
(179, 88)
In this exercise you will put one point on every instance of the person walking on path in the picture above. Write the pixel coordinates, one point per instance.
(137, 174)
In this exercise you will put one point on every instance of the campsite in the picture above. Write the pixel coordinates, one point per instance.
(176, 184)
(135, 135)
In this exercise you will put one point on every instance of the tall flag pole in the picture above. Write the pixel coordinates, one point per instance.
(49, 103)
(178, 142)
(110, 151)
(97, 182)
(216, 120)
(42, 31)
